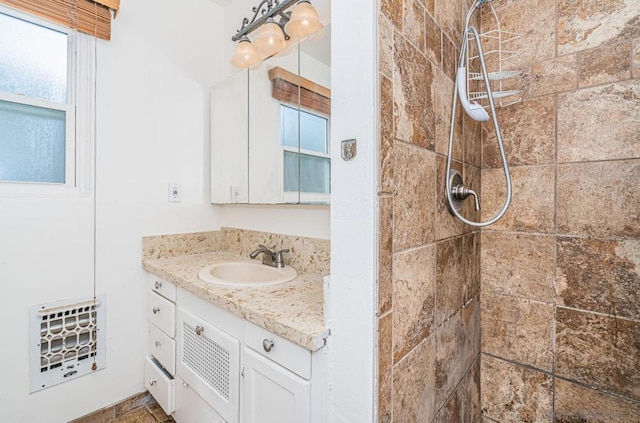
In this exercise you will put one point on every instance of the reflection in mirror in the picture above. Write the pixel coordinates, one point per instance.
(270, 129)
(289, 111)
(314, 163)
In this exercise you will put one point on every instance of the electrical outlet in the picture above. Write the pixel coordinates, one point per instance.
(175, 193)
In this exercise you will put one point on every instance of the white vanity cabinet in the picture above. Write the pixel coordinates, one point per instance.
(160, 364)
(228, 370)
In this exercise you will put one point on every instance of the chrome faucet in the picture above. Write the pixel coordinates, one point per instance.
(269, 258)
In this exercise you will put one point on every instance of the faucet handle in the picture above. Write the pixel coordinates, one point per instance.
(265, 249)
(278, 261)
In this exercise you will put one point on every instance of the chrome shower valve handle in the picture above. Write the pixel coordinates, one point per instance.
(460, 192)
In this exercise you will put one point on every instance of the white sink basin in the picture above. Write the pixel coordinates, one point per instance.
(246, 273)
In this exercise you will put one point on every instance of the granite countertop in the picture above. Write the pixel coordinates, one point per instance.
(293, 310)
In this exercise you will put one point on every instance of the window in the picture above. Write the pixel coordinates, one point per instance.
(307, 167)
(45, 105)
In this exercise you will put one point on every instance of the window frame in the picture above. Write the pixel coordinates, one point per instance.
(79, 114)
(304, 196)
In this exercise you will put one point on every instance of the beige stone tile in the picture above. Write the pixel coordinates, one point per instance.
(385, 363)
(554, 75)
(450, 54)
(532, 204)
(447, 225)
(430, 5)
(133, 403)
(443, 90)
(106, 415)
(386, 135)
(517, 330)
(385, 47)
(450, 278)
(433, 47)
(140, 415)
(518, 265)
(413, 96)
(535, 20)
(385, 255)
(463, 404)
(471, 261)
(449, 363)
(512, 393)
(413, 385)
(414, 23)
(457, 348)
(599, 351)
(599, 123)
(472, 141)
(470, 317)
(608, 63)
(523, 145)
(636, 58)
(413, 298)
(599, 199)
(449, 15)
(392, 9)
(584, 24)
(575, 403)
(600, 275)
(159, 414)
(414, 196)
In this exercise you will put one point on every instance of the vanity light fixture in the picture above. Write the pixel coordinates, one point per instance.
(275, 26)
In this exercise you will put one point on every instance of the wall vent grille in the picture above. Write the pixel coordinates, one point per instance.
(66, 341)
(207, 359)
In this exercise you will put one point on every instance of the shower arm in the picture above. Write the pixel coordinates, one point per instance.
(503, 156)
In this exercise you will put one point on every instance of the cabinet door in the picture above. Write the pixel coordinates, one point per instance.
(208, 359)
(272, 394)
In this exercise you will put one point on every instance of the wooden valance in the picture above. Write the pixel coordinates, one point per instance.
(88, 16)
(284, 87)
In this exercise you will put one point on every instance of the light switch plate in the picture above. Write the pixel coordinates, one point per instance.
(348, 149)
(175, 193)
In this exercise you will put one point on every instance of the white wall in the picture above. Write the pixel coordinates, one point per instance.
(153, 124)
(351, 294)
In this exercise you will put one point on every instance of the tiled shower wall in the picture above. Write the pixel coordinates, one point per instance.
(429, 264)
(561, 271)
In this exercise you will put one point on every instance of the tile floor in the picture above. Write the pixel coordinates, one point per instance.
(140, 408)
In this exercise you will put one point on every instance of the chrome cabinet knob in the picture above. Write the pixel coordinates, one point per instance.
(267, 344)
(152, 381)
(158, 285)
(158, 344)
(156, 310)
(199, 330)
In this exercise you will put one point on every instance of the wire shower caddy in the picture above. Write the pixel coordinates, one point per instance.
(501, 56)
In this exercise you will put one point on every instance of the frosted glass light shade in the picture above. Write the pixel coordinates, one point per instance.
(270, 39)
(304, 20)
(245, 55)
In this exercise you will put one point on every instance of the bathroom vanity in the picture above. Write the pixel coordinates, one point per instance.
(234, 354)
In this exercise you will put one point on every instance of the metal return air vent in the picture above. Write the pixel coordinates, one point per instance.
(66, 341)
(207, 359)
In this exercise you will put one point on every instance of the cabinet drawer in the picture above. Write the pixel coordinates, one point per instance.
(160, 384)
(284, 352)
(162, 313)
(162, 287)
(162, 348)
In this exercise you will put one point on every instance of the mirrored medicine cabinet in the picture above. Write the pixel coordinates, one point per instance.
(270, 129)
